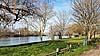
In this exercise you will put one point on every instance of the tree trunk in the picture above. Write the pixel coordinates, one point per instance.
(52, 37)
(69, 35)
(41, 38)
(94, 34)
(60, 35)
(40, 34)
(90, 36)
(86, 39)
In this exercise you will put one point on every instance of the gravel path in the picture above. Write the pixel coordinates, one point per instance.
(92, 52)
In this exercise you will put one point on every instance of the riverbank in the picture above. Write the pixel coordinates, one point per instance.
(45, 47)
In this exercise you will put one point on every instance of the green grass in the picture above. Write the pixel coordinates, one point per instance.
(76, 51)
(42, 48)
(38, 49)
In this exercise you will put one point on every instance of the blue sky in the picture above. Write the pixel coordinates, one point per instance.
(66, 5)
(63, 5)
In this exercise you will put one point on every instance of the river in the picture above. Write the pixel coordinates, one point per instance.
(8, 41)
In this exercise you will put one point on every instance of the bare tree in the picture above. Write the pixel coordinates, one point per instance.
(52, 31)
(61, 22)
(40, 23)
(18, 8)
(86, 15)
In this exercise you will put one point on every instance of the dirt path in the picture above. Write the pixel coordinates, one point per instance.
(92, 52)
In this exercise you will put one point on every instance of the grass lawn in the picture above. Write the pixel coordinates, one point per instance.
(42, 48)
(76, 51)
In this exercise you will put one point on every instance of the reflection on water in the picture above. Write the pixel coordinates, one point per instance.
(22, 40)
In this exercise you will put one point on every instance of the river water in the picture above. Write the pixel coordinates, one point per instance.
(8, 41)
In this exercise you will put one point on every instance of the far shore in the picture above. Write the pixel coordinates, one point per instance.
(23, 35)
(18, 35)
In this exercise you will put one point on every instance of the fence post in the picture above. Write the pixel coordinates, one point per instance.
(57, 51)
(70, 45)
